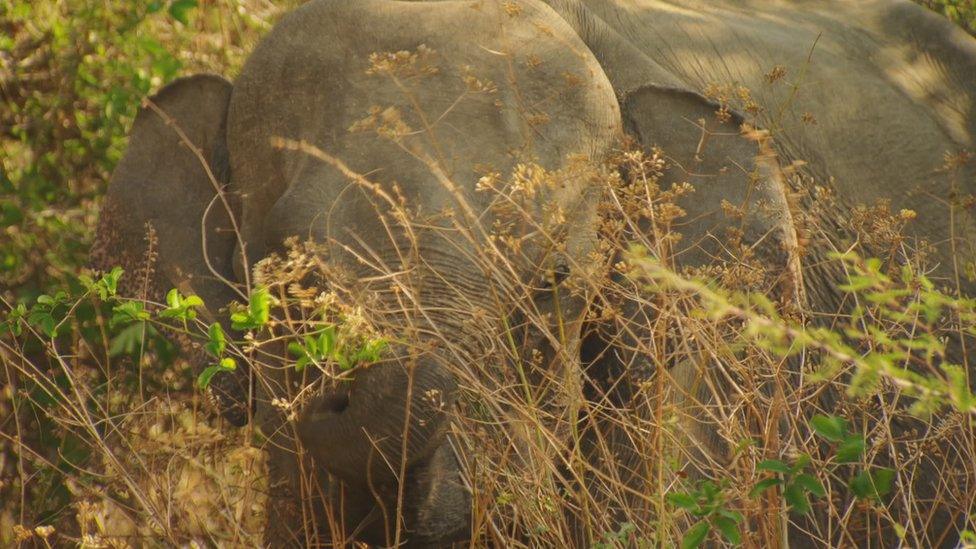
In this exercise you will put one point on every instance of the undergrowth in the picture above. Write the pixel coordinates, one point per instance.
(107, 437)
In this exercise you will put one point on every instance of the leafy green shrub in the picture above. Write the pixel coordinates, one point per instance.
(78, 74)
(708, 503)
(899, 335)
(961, 12)
(73, 75)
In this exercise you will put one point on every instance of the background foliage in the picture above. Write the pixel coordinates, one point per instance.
(72, 76)
(962, 12)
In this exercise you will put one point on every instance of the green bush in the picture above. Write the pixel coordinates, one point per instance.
(72, 77)
(961, 12)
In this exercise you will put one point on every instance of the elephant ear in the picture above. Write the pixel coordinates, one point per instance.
(714, 153)
(726, 162)
(166, 219)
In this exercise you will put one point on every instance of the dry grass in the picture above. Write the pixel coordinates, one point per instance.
(715, 380)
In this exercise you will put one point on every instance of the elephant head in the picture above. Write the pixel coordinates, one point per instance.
(347, 114)
(383, 132)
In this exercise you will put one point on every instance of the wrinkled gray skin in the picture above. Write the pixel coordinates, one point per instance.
(890, 85)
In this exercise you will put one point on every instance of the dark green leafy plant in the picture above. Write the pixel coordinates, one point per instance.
(961, 12)
(74, 75)
(794, 479)
(256, 314)
(226, 364)
(217, 347)
(872, 484)
(849, 447)
(49, 312)
(180, 10)
(82, 69)
(180, 307)
(328, 346)
(708, 503)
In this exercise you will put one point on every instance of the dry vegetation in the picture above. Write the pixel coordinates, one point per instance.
(819, 420)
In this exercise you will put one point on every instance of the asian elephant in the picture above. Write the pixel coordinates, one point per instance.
(348, 112)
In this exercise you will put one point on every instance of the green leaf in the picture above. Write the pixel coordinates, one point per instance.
(256, 314)
(873, 484)
(296, 349)
(811, 484)
(104, 287)
(774, 465)
(832, 428)
(129, 312)
(203, 381)
(13, 322)
(48, 312)
(260, 306)
(734, 515)
(884, 479)
(240, 321)
(682, 500)
(180, 9)
(42, 318)
(763, 485)
(111, 280)
(850, 450)
(226, 364)
(801, 462)
(173, 298)
(709, 490)
(370, 351)
(857, 283)
(180, 307)
(129, 341)
(743, 444)
(796, 497)
(695, 535)
(218, 341)
(729, 529)
(327, 341)
(861, 485)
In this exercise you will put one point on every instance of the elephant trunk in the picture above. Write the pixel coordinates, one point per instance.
(389, 417)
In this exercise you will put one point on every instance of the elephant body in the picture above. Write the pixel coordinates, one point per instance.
(347, 114)
(903, 77)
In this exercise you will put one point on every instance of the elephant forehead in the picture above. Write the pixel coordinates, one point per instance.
(422, 99)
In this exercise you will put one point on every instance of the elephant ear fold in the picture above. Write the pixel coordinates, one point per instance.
(709, 147)
(163, 220)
